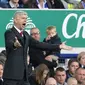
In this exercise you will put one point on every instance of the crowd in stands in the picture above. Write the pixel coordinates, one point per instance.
(41, 67)
(40, 63)
(40, 75)
(43, 4)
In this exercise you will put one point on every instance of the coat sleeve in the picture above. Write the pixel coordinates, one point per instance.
(43, 45)
(9, 39)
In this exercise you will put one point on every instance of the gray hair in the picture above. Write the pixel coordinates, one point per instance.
(19, 13)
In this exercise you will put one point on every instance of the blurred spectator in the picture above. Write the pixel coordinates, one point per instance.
(39, 75)
(40, 4)
(72, 66)
(3, 5)
(65, 4)
(1, 72)
(51, 81)
(80, 75)
(60, 76)
(37, 56)
(4, 1)
(2, 58)
(81, 5)
(24, 1)
(53, 38)
(81, 59)
(70, 4)
(29, 66)
(72, 81)
(3, 52)
(14, 4)
(57, 4)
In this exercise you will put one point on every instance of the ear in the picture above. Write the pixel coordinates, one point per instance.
(15, 20)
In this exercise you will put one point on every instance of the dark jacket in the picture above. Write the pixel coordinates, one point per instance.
(1, 82)
(57, 4)
(54, 40)
(37, 57)
(16, 62)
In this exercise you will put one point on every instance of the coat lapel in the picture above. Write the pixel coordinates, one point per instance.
(20, 38)
(25, 39)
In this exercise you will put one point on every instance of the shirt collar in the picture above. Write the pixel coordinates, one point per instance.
(17, 29)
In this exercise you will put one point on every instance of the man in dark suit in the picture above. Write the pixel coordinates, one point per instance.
(17, 45)
(37, 56)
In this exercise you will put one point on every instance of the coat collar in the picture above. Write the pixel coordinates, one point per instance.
(17, 34)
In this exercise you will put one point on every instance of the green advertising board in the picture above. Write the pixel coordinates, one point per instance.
(70, 24)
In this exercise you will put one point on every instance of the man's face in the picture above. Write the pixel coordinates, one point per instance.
(1, 71)
(35, 34)
(20, 21)
(60, 76)
(80, 75)
(73, 67)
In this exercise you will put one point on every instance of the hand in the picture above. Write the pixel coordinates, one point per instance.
(52, 57)
(48, 37)
(17, 43)
(48, 58)
(65, 47)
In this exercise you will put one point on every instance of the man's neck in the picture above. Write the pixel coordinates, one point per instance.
(17, 29)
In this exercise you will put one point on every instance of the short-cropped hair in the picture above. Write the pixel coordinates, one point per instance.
(60, 69)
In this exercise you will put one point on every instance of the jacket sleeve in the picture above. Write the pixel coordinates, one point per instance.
(43, 45)
(9, 39)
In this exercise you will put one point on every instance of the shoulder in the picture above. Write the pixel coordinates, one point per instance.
(7, 31)
(26, 33)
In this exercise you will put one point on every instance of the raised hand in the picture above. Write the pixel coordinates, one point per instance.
(48, 58)
(17, 43)
(65, 47)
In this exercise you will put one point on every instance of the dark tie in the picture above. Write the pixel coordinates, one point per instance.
(21, 33)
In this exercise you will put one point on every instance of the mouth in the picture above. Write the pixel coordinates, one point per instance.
(24, 24)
